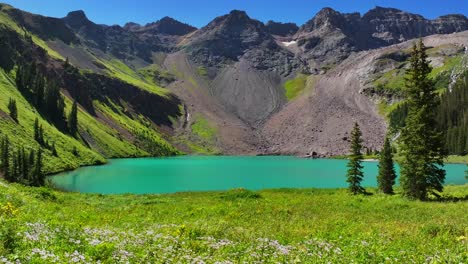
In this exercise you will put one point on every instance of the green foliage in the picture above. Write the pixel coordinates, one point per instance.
(280, 226)
(452, 116)
(294, 87)
(5, 158)
(240, 194)
(9, 238)
(355, 174)
(13, 109)
(422, 146)
(103, 252)
(20, 166)
(387, 176)
(203, 129)
(38, 178)
(120, 70)
(204, 137)
(202, 71)
(154, 74)
(39, 133)
(38, 97)
(73, 120)
(42, 92)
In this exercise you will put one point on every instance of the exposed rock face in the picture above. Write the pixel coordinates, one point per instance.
(113, 39)
(332, 36)
(281, 29)
(228, 38)
(328, 37)
(47, 28)
(166, 33)
(166, 26)
(131, 26)
(245, 65)
(132, 40)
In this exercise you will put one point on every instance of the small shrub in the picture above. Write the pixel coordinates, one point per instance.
(240, 194)
(102, 252)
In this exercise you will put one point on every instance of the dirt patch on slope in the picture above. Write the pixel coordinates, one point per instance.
(234, 136)
(250, 94)
(320, 121)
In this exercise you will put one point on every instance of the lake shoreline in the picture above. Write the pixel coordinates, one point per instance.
(218, 173)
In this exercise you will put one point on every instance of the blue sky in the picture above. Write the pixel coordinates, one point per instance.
(200, 12)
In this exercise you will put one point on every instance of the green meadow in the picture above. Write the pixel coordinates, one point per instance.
(40, 225)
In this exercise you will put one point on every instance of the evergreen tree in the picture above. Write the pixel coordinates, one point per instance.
(73, 119)
(422, 146)
(387, 176)
(54, 150)
(21, 166)
(13, 110)
(38, 175)
(5, 158)
(14, 174)
(25, 170)
(355, 167)
(39, 133)
(39, 85)
(32, 156)
(54, 103)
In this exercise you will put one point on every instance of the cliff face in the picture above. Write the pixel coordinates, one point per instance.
(331, 36)
(281, 29)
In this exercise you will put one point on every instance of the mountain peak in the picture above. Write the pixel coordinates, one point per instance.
(239, 13)
(235, 16)
(382, 9)
(78, 14)
(76, 18)
(326, 16)
(168, 26)
(132, 26)
(168, 19)
(327, 11)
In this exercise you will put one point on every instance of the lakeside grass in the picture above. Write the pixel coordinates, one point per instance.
(40, 225)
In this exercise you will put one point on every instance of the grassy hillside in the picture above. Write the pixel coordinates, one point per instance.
(238, 226)
(22, 134)
(113, 121)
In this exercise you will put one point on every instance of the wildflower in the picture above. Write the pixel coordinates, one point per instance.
(9, 210)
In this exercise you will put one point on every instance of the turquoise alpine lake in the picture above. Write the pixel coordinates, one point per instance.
(215, 173)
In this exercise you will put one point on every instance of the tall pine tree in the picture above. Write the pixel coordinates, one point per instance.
(13, 109)
(387, 176)
(5, 158)
(355, 167)
(422, 146)
(39, 133)
(73, 119)
(38, 178)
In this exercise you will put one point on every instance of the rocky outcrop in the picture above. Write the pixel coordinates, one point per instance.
(131, 26)
(228, 38)
(166, 33)
(281, 29)
(332, 36)
(47, 28)
(165, 26)
(110, 39)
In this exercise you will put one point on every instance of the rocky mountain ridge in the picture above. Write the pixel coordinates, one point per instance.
(332, 36)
